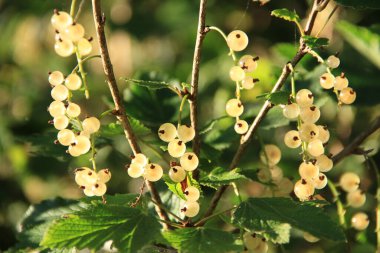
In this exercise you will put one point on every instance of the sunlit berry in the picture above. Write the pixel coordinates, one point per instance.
(310, 114)
(304, 98)
(177, 174)
(360, 221)
(237, 40)
(304, 189)
(185, 133)
(308, 171)
(333, 61)
(324, 163)
(191, 193)
(99, 189)
(251, 241)
(59, 92)
(241, 126)
(57, 108)
(234, 107)
(308, 132)
(349, 181)
(324, 134)
(85, 176)
(315, 148)
(327, 80)
(60, 20)
(237, 74)
(176, 148)
(66, 137)
(291, 111)
(292, 139)
(190, 208)
(341, 82)
(356, 198)
(153, 172)
(248, 82)
(320, 182)
(56, 77)
(140, 159)
(189, 161)
(84, 47)
(82, 143)
(73, 110)
(91, 125)
(74, 32)
(61, 122)
(347, 96)
(64, 48)
(248, 63)
(104, 175)
(135, 170)
(73, 82)
(167, 132)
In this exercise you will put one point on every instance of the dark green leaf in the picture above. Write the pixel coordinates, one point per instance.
(154, 85)
(176, 188)
(286, 14)
(115, 129)
(274, 119)
(219, 176)
(360, 4)
(210, 125)
(314, 42)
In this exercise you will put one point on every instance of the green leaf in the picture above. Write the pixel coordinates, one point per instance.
(264, 214)
(176, 188)
(210, 125)
(274, 119)
(314, 42)
(191, 240)
(193, 182)
(276, 98)
(154, 85)
(286, 14)
(360, 4)
(219, 176)
(115, 129)
(129, 228)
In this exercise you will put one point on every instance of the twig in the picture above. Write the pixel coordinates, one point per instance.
(137, 200)
(99, 19)
(318, 6)
(339, 205)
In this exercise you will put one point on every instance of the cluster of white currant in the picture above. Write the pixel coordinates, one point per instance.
(188, 162)
(93, 183)
(355, 197)
(241, 74)
(254, 244)
(69, 35)
(140, 166)
(345, 94)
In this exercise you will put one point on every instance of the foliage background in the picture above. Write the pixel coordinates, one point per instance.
(154, 39)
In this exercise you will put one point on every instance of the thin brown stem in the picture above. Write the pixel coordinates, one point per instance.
(318, 6)
(99, 19)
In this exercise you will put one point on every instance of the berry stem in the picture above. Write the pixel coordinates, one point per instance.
(93, 152)
(232, 53)
(84, 60)
(72, 8)
(181, 108)
(339, 205)
(82, 73)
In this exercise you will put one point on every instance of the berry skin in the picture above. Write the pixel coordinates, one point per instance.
(327, 81)
(73, 82)
(241, 126)
(64, 48)
(177, 174)
(360, 221)
(104, 175)
(140, 159)
(347, 96)
(190, 208)
(61, 122)
(248, 82)
(303, 189)
(99, 189)
(186, 133)
(189, 161)
(84, 47)
(153, 172)
(91, 125)
(237, 74)
(82, 143)
(167, 132)
(276, 174)
(292, 139)
(60, 20)
(304, 98)
(308, 171)
(310, 238)
(310, 114)
(88, 191)
(324, 163)
(237, 40)
(320, 182)
(176, 148)
(57, 108)
(285, 185)
(85, 133)
(291, 111)
(248, 63)
(315, 148)
(66, 137)
(308, 132)
(59, 92)
(356, 198)
(74, 32)
(262, 247)
(324, 134)
(271, 155)
(85, 176)
(56, 77)
(341, 82)
(192, 193)
(349, 181)
(251, 241)
(135, 170)
(74, 151)
(73, 110)
(333, 61)
(234, 107)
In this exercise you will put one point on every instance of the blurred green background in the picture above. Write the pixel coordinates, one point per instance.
(154, 39)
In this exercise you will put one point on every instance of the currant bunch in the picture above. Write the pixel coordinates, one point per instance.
(93, 183)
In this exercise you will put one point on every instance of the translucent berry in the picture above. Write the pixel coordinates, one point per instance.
(234, 107)
(64, 48)
(91, 125)
(262, 248)
(271, 155)
(59, 92)
(99, 189)
(248, 63)
(347, 96)
(84, 47)
(264, 175)
(153, 172)
(87, 190)
(192, 193)
(56, 77)
(248, 82)
(140, 159)
(186, 133)
(74, 151)
(324, 134)
(349, 181)
(341, 82)
(57, 108)
(333, 62)
(73, 110)
(190, 208)
(74, 32)
(241, 126)
(189, 161)
(251, 241)
(176, 148)
(85, 176)
(320, 182)
(315, 148)
(177, 174)
(60, 20)
(308, 132)
(327, 81)
(304, 189)
(360, 221)
(104, 175)
(276, 174)
(304, 98)
(135, 170)
(310, 238)
(237, 40)
(82, 143)
(291, 111)
(324, 163)
(292, 139)
(356, 198)
(308, 171)
(167, 132)
(310, 114)
(66, 137)
(73, 82)
(61, 122)
(237, 74)
(85, 133)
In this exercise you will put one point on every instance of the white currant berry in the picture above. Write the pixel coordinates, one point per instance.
(99, 189)
(57, 108)
(327, 80)
(360, 221)
(324, 134)
(310, 114)
(248, 82)
(176, 148)
(303, 189)
(324, 163)
(140, 159)
(84, 47)
(310, 238)
(189, 161)
(64, 48)
(56, 77)
(241, 126)
(104, 175)
(73, 110)
(251, 241)
(74, 32)
(264, 175)
(91, 125)
(248, 63)
(82, 143)
(135, 170)
(73, 82)
(237, 74)
(255, 189)
(276, 174)
(349, 181)
(308, 132)
(190, 208)
(347, 96)
(61, 122)
(66, 137)
(262, 247)
(167, 132)
(320, 182)
(304, 98)
(356, 198)
(271, 155)
(237, 40)
(291, 111)
(87, 190)
(315, 148)
(191, 193)
(74, 151)
(292, 139)
(341, 82)
(186, 133)
(85, 133)
(285, 185)
(60, 20)
(308, 171)
(333, 61)
(153, 172)
(59, 92)
(85, 176)
(177, 174)
(234, 107)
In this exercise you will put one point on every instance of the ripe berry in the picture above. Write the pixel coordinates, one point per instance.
(85, 176)
(57, 108)
(104, 175)
(66, 137)
(84, 47)
(310, 238)
(315, 148)
(135, 170)
(140, 159)
(324, 134)
(320, 182)
(237, 74)
(186, 133)
(59, 92)
(251, 241)
(88, 191)
(192, 193)
(56, 77)
(99, 189)
(264, 175)
(177, 174)
(237, 40)
(248, 63)
(308, 132)
(324, 163)
(167, 132)
(85, 133)
(190, 208)
(360, 221)
(271, 155)
(292, 139)
(304, 98)
(248, 82)
(291, 111)
(189, 161)
(234, 107)
(333, 62)
(82, 143)
(347, 96)
(74, 151)
(349, 181)
(176, 148)
(73, 110)
(241, 126)
(61, 122)
(276, 174)
(341, 82)
(64, 48)
(262, 247)
(310, 114)
(356, 198)
(73, 82)
(327, 81)
(74, 32)
(285, 185)
(308, 171)
(91, 125)
(60, 20)
(153, 172)
(304, 189)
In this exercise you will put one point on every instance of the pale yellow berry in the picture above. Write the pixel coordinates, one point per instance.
(57, 108)
(74, 151)
(99, 189)
(324, 163)
(135, 170)
(315, 148)
(66, 137)
(320, 182)
(327, 81)
(191, 193)
(324, 134)
(333, 61)
(177, 174)
(347, 96)
(360, 221)
(234, 107)
(60, 20)
(153, 172)
(291, 111)
(74, 32)
(251, 241)
(292, 139)
(91, 125)
(61, 122)
(104, 175)
(189, 161)
(64, 48)
(304, 189)
(308, 132)
(56, 77)
(248, 82)
(304, 98)
(241, 126)
(88, 191)
(310, 114)
(73, 82)
(82, 143)
(341, 82)
(248, 63)
(59, 92)
(308, 171)
(356, 198)
(237, 74)
(167, 132)
(271, 155)
(140, 159)
(85, 176)
(176, 148)
(73, 110)
(349, 181)
(185, 133)
(84, 47)
(190, 208)
(237, 40)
